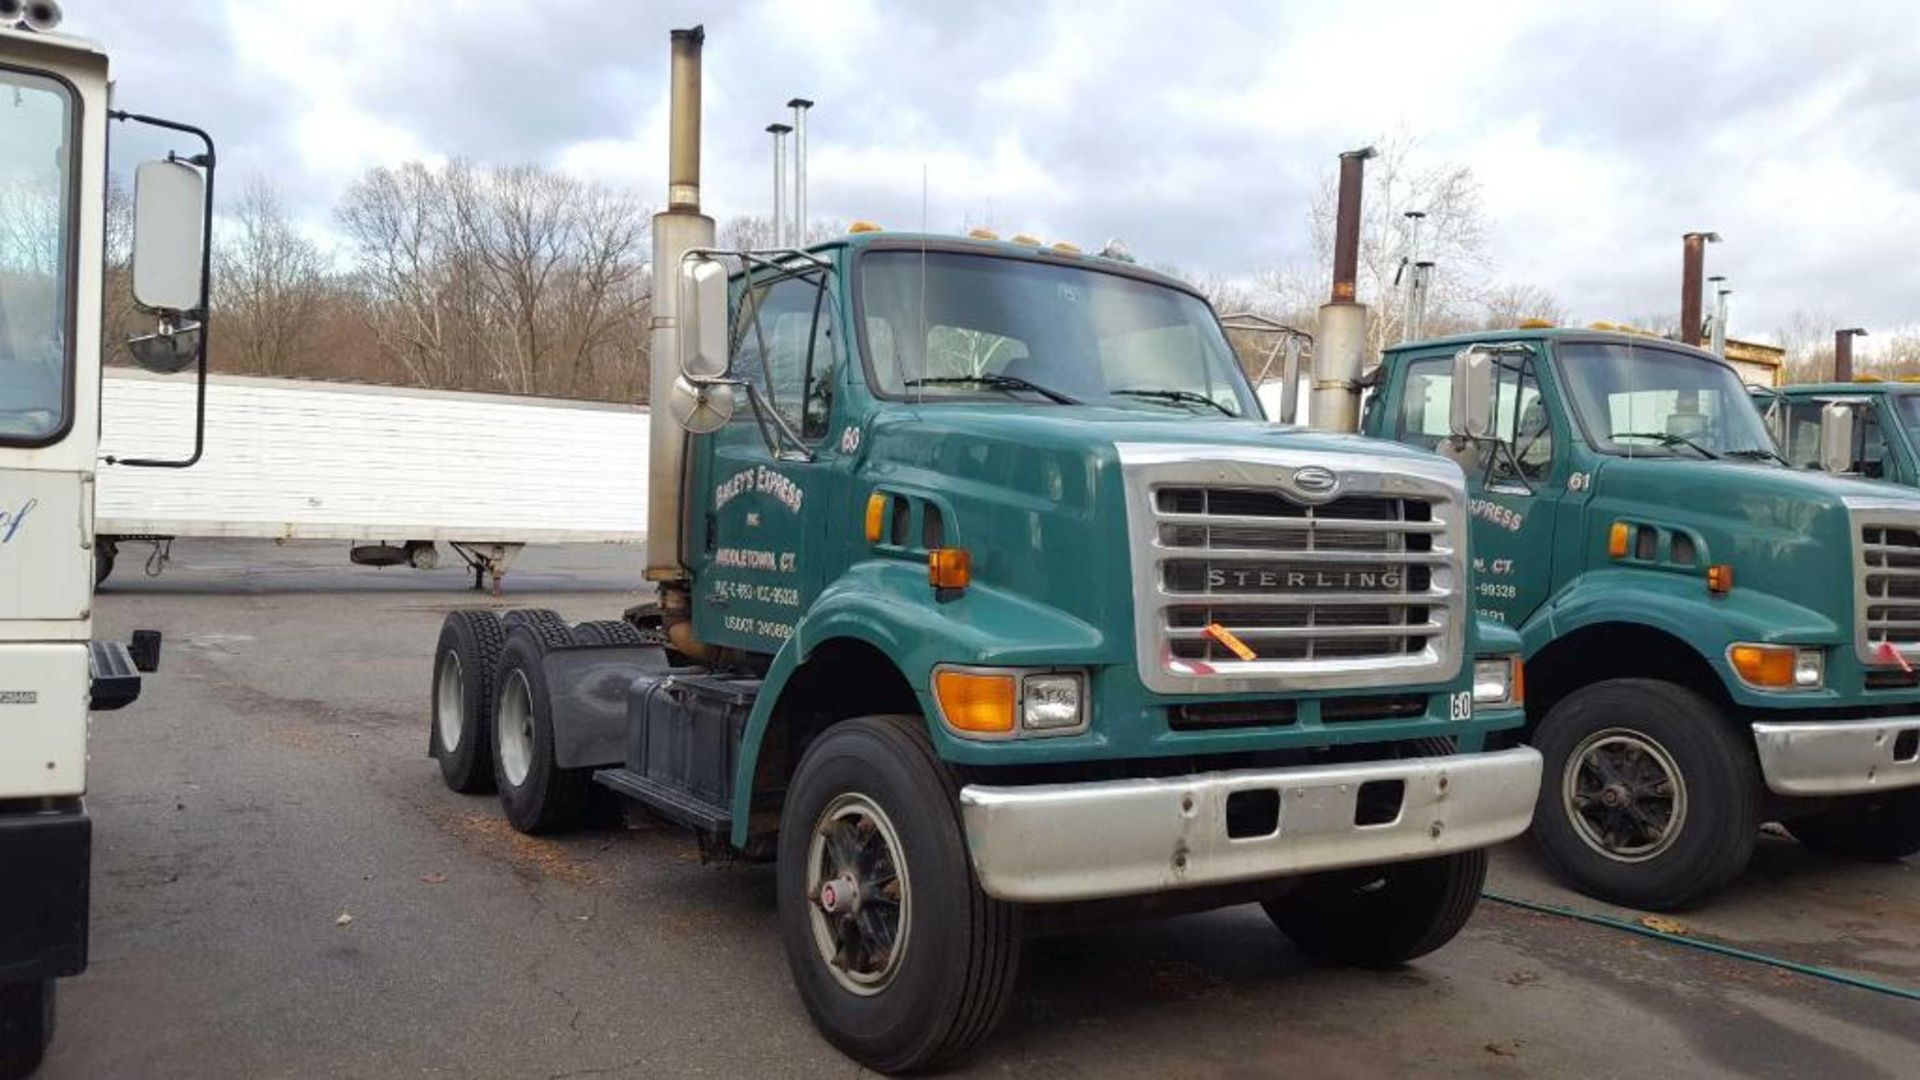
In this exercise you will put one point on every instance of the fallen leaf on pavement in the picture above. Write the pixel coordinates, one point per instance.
(434, 878)
(343, 920)
(1662, 925)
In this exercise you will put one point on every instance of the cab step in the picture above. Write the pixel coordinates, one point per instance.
(671, 801)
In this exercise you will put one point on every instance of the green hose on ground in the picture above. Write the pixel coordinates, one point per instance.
(1828, 974)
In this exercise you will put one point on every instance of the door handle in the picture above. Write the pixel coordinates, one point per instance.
(86, 512)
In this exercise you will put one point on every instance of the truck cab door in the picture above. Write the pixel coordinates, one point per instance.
(1514, 480)
(766, 481)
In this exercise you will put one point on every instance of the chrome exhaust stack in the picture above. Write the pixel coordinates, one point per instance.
(680, 228)
(1340, 346)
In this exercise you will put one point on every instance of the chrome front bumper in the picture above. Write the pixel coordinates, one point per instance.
(1048, 843)
(1839, 757)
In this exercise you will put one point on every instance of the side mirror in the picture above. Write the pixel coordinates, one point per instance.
(169, 226)
(701, 408)
(1471, 416)
(168, 350)
(701, 313)
(1836, 438)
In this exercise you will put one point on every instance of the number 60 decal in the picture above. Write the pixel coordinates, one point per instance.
(849, 439)
(1460, 706)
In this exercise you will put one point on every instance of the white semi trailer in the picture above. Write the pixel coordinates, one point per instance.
(54, 114)
(392, 472)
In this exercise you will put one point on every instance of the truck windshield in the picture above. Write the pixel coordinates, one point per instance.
(37, 152)
(1907, 408)
(944, 325)
(1654, 402)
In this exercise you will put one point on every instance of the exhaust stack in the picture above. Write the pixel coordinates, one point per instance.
(1340, 347)
(1843, 352)
(800, 107)
(1693, 261)
(779, 133)
(678, 229)
(1718, 341)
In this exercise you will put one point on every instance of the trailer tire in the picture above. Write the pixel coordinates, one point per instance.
(26, 1026)
(105, 550)
(1649, 797)
(609, 632)
(926, 987)
(460, 732)
(1880, 827)
(537, 795)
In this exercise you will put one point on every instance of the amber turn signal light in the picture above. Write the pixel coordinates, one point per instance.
(975, 704)
(949, 568)
(876, 516)
(1720, 578)
(1618, 538)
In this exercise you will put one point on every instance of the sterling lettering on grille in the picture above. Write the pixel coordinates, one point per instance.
(1329, 570)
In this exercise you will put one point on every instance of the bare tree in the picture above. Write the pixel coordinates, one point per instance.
(1807, 338)
(268, 284)
(515, 278)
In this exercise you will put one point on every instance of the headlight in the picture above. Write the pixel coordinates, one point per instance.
(1499, 681)
(1005, 703)
(1779, 667)
(1050, 702)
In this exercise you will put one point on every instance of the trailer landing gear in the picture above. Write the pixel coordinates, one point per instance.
(487, 560)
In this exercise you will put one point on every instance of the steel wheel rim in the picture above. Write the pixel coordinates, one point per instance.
(1624, 794)
(513, 728)
(449, 701)
(860, 933)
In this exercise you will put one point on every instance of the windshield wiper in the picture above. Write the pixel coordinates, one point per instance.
(1755, 453)
(995, 381)
(1668, 439)
(1184, 396)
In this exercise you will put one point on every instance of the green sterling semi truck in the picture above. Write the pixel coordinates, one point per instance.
(986, 597)
(1712, 639)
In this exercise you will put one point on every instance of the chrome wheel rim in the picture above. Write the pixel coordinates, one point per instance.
(859, 899)
(1624, 794)
(449, 701)
(513, 728)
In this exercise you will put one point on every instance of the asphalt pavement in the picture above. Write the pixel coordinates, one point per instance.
(282, 887)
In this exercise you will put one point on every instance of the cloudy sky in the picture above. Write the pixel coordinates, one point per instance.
(1199, 132)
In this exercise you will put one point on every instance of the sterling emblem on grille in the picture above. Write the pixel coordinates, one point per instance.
(1328, 580)
(1315, 483)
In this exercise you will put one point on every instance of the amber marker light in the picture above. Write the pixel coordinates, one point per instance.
(1618, 538)
(863, 226)
(1720, 579)
(1770, 666)
(976, 704)
(876, 516)
(949, 568)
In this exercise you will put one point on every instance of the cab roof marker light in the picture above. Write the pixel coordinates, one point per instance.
(1024, 238)
(983, 234)
(862, 227)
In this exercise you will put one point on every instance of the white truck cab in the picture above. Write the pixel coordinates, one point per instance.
(54, 112)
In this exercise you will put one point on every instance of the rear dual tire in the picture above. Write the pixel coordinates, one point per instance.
(464, 667)
(537, 795)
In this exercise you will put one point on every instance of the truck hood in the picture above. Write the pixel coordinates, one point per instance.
(1760, 495)
(1037, 495)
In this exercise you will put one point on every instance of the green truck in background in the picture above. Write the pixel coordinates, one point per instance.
(988, 600)
(1873, 426)
(1713, 639)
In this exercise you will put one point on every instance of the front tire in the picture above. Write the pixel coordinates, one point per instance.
(461, 735)
(1880, 827)
(900, 958)
(1382, 916)
(26, 1026)
(537, 794)
(1649, 798)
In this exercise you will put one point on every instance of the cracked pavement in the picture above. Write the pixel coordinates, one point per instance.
(273, 778)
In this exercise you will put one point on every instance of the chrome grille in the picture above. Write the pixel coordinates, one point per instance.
(1355, 590)
(1890, 584)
